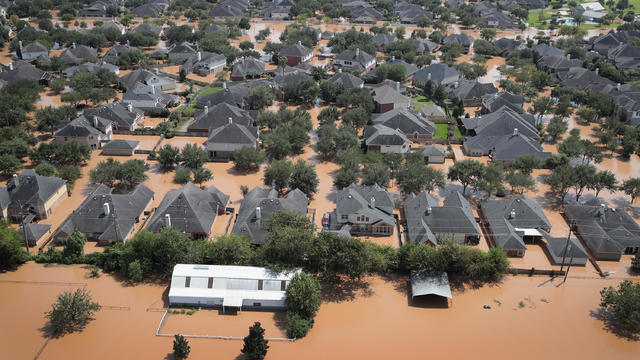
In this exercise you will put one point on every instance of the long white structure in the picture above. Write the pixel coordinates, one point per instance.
(228, 286)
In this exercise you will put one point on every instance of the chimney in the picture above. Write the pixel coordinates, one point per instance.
(167, 220)
(73, 45)
(157, 71)
(398, 86)
(199, 56)
(372, 203)
(597, 71)
(153, 89)
(258, 213)
(206, 109)
(230, 120)
(16, 180)
(340, 70)
(10, 66)
(128, 43)
(358, 52)
(568, 56)
(515, 131)
(428, 76)
(299, 42)
(20, 44)
(130, 107)
(107, 211)
(393, 58)
(456, 84)
(428, 210)
(618, 86)
(512, 214)
(224, 85)
(95, 121)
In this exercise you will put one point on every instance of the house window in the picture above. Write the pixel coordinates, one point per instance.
(210, 283)
(65, 138)
(366, 219)
(344, 217)
(257, 304)
(187, 282)
(91, 137)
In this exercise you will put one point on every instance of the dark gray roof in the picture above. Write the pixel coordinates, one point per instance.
(426, 283)
(381, 135)
(121, 145)
(232, 133)
(254, 229)
(409, 69)
(357, 199)
(146, 27)
(124, 213)
(493, 102)
(462, 39)
(248, 67)
(348, 80)
(291, 78)
(75, 54)
(34, 47)
(425, 218)
(219, 115)
(506, 44)
(603, 229)
(558, 248)
(182, 48)
(21, 70)
(190, 209)
(439, 73)
(546, 50)
(357, 56)
(295, 50)
(111, 56)
(432, 150)
(117, 112)
(90, 67)
(34, 232)
(406, 120)
(143, 76)
(32, 189)
(387, 95)
(470, 89)
(234, 95)
(384, 38)
(79, 127)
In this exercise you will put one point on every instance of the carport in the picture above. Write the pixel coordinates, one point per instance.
(424, 283)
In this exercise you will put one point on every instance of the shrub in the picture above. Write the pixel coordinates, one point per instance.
(45, 169)
(303, 295)
(71, 311)
(182, 176)
(181, 348)
(623, 305)
(297, 325)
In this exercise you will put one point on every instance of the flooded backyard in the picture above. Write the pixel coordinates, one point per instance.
(372, 318)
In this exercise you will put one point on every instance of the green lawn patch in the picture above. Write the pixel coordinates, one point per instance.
(442, 132)
(209, 91)
(191, 109)
(422, 100)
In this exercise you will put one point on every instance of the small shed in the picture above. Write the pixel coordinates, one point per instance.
(120, 147)
(434, 113)
(35, 232)
(424, 283)
(558, 248)
(433, 154)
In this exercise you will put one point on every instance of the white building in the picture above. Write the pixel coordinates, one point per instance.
(228, 286)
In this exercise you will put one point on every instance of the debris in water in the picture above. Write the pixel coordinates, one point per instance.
(486, 307)
(497, 302)
(544, 300)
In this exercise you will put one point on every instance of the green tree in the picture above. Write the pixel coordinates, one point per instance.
(70, 173)
(181, 348)
(193, 156)
(182, 176)
(9, 165)
(297, 326)
(277, 144)
(45, 169)
(520, 181)
(492, 177)
(201, 175)
(71, 312)
(560, 180)
(168, 156)
(106, 172)
(58, 85)
(132, 172)
(303, 295)
(278, 174)
(326, 145)
(631, 187)
(75, 244)
(333, 254)
(255, 345)
(376, 173)
(623, 305)
(248, 158)
(304, 178)
(73, 153)
(135, 271)
(556, 127)
(527, 163)
(488, 34)
(603, 180)
(466, 172)
(12, 251)
(344, 178)
(260, 97)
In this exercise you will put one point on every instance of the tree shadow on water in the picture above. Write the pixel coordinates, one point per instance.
(337, 290)
(611, 325)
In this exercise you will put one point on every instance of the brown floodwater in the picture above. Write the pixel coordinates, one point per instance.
(371, 319)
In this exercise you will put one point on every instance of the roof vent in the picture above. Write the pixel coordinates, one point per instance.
(358, 52)
(512, 214)
(429, 209)
(16, 180)
(515, 131)
(230, 120)
(106, 208)
(372, 203)
(167, 220)
(258, 213)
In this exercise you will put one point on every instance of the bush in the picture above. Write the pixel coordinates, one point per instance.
(181, 348)
(635, 263)
(45, 169)
(297, 325)
(12, 251)
(135, 271)
(623, 305)
(182, 176)
(303, 295)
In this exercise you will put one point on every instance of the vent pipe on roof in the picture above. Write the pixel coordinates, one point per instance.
(224, 85)
(515, 131)
(456, 84)
(199, 56)
(167, 220)
(568, 56)
(358, 52)
(10, 66)
(429, 76)
(299, 42)
(429, 209)
(372, 203)
(206, 109)
(398, 86)
(20, 44)
(340, 70)
(107, 211)
(153, 89)
(130, 107)
(618, 86)
(230, 120)
(597, 71)
(128, 43)
(95, 121)
(16, 180)
(512, 214)
(73, 45)
(258, 213)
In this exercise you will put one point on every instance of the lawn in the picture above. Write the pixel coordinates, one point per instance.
(534, 20)
(442, 132)
(189, 110)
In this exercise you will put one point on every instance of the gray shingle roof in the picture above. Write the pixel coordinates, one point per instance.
(470, 89)
(387, 95)
(348, 80)
(34, 232)
(32, 189)
(248, 67)
(406, 120)
(295, 50)
(219, 115)
(357, 199)
(121, 145)
(439, 73)
(495, 101)
(232, 133)
(382, 135)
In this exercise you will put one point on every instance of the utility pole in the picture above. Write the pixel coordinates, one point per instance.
(568, 267)
(24, 231)
(566, 245)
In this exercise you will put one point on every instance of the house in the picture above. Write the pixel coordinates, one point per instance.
(225, 140)
(281, 81)
(234, 287)
(229, 9)
(248, 69)
(90, 131)
(434, 113)
(386, 98)
(149, 100)
(584, 79)
(21, 70)
(233, 95)
(464, 40)
(385, 139)
(503, 135)
(91, 67)
(367, 209)
(257, 207)
(563, 251)
(410, 13)
(157, 80)
(190, 209)
(30, 196)
(603, 43)
(123, 116)
(512, 223)
(153, 8)
(296, 53)
(607, 232)
(433, 154)
(215, 27)
(425, 46)
(34, 233)
(428, 222)
(557, 63)
(526, 4)
(409, 122)
(120, 148)
(625, 56)
(105, 217)
(346, 80)
(32, 51)
(354, 60)
(218, 115)
(113, 26)
(204, 63)
(178, 53)
(492, 16)
(506, 45)
(77, 54)
(438, 74)
(542, 50)
(276, 9)
(113, 54)
(492, 102)
(590, 11)
(148, 28)
(99, 8)
(365, 15)
(470, 92)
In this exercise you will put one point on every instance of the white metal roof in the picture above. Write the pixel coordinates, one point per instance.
(228, 295)
(529, 232)
(423, 283)
(231, 272)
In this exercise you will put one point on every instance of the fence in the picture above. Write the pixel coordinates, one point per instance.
(534, 271)
(154, 132)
